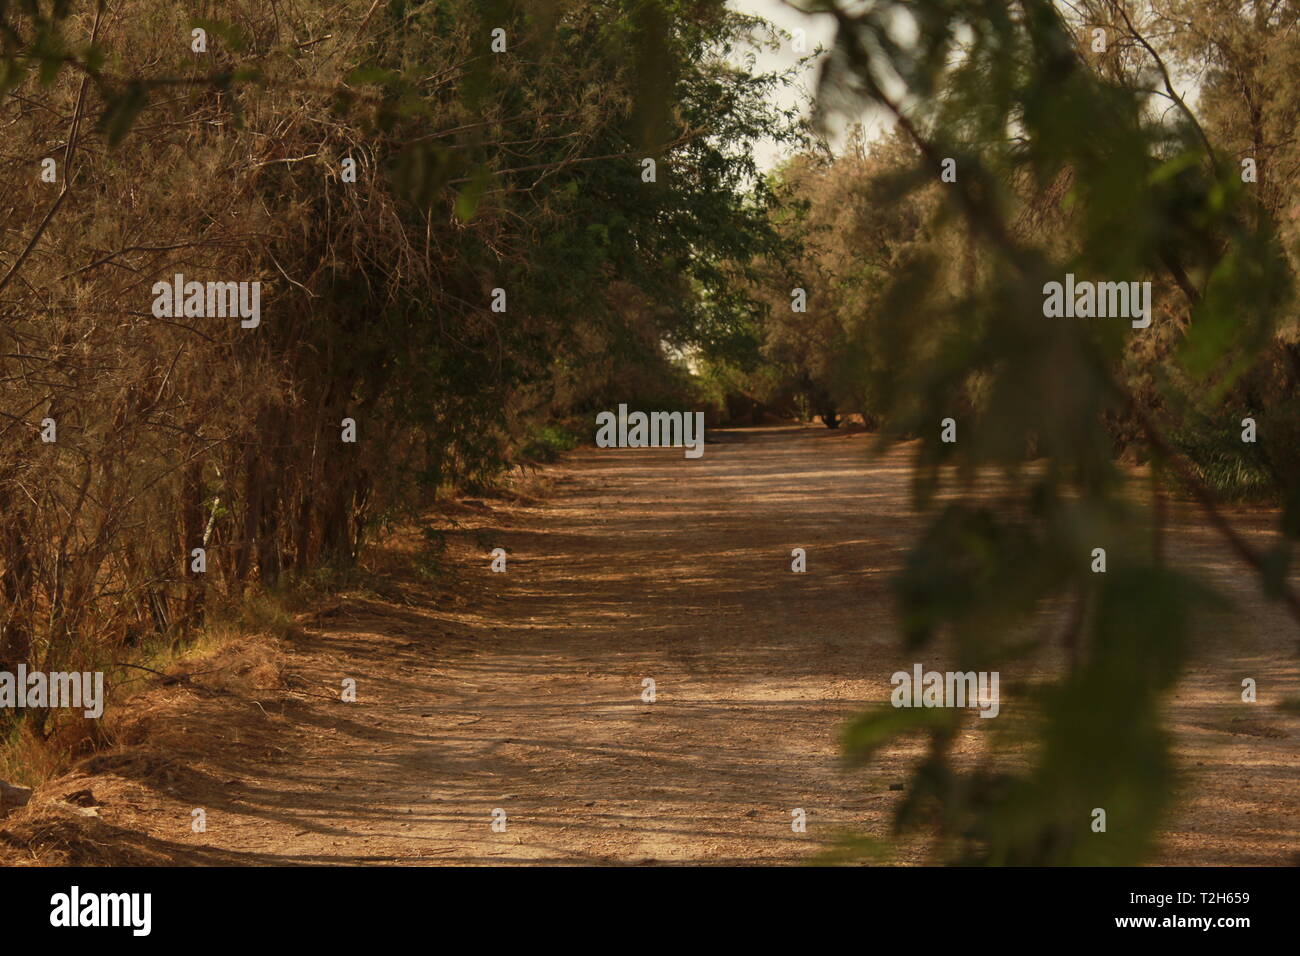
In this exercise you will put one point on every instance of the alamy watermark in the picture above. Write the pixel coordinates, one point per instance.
(1101, 300)
(72, 689)
(653, 430)
(947, 689)
(219, 300)
(75, 908)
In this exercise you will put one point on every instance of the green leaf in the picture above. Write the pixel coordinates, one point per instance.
(469, 198)
(869, 731)
(11, 74)
(230, 33)
(1188, 159)
(372, 76)
(1277, 563)
(121, 111)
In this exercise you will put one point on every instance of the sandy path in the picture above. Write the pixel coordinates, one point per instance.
(639, 564)
(522, 691)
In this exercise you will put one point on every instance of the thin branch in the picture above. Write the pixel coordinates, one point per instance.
(67, 167)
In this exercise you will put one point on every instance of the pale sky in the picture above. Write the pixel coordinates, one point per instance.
(820, 30)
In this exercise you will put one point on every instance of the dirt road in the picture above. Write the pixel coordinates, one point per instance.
(522, 691)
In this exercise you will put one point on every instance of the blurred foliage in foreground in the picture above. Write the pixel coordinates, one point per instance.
(929, 305)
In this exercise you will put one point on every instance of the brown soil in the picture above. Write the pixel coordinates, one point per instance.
(522, 691)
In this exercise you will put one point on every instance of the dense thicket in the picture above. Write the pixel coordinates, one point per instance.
(477, 169)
